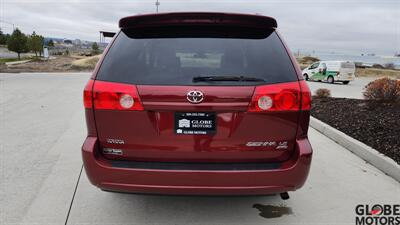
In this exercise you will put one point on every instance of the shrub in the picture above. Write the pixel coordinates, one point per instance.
(95, 49)
(307, 60)
(310, 59)
(36, 59)
(377, 66)
(383, 90)
(323, 93)
(389, 66)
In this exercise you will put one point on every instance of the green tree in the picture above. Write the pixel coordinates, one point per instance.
(50, 43)
(18, 42)
(95, 49)
(35, 43)
(3, 38)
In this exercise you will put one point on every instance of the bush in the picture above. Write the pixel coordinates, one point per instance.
(95, 49)
(310, 59)
(383, 90)
(307, 60)
(377, 66)
(36, 59)
(323, 93)
(389, 66)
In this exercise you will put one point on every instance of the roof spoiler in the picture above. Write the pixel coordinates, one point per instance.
(197, 19)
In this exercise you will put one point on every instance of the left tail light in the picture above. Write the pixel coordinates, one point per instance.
(87, 95)
(115, 96)
(109, 95)
(88, 103)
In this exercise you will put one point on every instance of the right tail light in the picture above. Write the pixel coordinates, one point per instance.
(292, 96)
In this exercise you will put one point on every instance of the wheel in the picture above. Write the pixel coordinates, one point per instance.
(306, 76)
(331, 80)
(346, 82)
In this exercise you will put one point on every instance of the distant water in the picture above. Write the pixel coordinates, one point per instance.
(366, 59)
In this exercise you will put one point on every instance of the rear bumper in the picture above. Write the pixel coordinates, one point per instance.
(289, 176)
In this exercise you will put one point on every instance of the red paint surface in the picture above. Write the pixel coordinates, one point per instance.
(148, 135)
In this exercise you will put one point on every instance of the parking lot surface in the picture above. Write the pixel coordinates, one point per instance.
(42, 129)
(352, 90)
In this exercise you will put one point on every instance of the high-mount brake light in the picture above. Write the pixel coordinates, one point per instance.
(293, 96)
(197, 18)
(116, 96)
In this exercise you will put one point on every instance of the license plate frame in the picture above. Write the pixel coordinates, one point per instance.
(195, 123)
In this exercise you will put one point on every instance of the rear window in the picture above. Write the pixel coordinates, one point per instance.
(175, 59)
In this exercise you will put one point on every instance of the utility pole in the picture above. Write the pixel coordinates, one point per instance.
(157, 4)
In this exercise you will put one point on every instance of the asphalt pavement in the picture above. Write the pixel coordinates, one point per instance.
(42, 128)
(352, 90)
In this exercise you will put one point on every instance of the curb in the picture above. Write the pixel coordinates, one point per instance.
(17, 62)
(372, 156)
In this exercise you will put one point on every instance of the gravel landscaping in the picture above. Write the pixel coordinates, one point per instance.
(376, 125)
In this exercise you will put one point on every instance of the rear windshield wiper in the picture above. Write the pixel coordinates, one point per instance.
(227, 78)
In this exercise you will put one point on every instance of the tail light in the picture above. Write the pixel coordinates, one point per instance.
(87, 95)
(113, 96)
(293, 96)
(305, 96)
(88, 103)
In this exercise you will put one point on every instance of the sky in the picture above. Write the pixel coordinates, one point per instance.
(342, 26)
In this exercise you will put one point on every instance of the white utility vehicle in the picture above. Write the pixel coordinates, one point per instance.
(330, 71)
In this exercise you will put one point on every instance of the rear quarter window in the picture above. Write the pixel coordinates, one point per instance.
(176, 60)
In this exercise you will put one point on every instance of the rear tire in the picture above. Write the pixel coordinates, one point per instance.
(346, 82)
(331, 80)
(306, 76)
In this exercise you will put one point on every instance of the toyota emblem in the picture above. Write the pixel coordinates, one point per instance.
(195, 97)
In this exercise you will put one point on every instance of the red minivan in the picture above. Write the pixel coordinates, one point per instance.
(198, 104)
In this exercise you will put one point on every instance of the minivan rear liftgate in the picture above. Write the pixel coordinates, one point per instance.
(237, 129)
(163, 73)
(197, 95)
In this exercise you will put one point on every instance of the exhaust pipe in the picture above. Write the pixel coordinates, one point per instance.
(284, 196)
